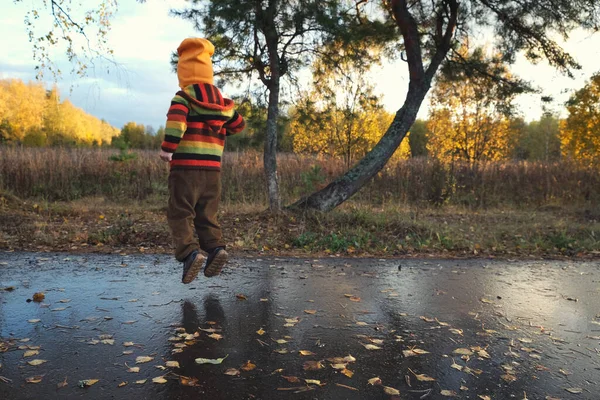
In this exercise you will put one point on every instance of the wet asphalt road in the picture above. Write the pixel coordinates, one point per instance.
(526, 329)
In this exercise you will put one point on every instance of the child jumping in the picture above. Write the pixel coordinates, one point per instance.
(198, 121)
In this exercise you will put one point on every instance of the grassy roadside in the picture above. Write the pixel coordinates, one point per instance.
(95, 224)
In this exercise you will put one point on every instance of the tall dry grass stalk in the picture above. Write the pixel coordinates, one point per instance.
(67, 174)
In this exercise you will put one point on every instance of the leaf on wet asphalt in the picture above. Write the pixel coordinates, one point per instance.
(261, 331)
(210, 361)
(173, 364)
(306, 353)
(31, 353)
(33, 321)
(241, 297)
(93, 342)
(483, 354)
(426, 319)
(508, 378)
(122, 384)
(141, 381)
(349, 359)
(160, 380)
(87, 382)
(134, 370)
(310, 311)
(463, 388)
(525, 340)
(161, 367)
(34, 379)
(551, 398)
(39, 297)
(232, 372)
(215, 336)
(143, 359)
(338, 366)
(264, 300)
(574, 390)
(463, 351)
(422, 377)
(448, 393)
(312, 365)
(456, 331)
(280, 341)
(62, 384)
(414, 352)
(484, 397)
(108, 341)
(58, 309)
(294, 320)
(347, 372)
(291, 379)
(375, 381)
(127, 352)
(391, 391)
(487, 301)
(281, 351)
(187, 381)
(355, 299)
(312, 382)
(564, 372)
(248, 366)
(456, 366)
(36, 362)
(129, 322)
(371, 346)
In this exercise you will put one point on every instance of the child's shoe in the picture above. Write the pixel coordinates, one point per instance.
(215, 261)
(191, 266)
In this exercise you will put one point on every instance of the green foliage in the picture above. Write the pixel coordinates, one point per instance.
(537, 140)
(418, 138)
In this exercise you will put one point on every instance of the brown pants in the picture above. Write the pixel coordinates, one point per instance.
(193, 200)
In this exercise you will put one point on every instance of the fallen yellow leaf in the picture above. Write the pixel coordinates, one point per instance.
(160, 380)
(248, 366)
(260, 332)
(391, 391)
(36, 362)
(312, 365)
(232, 372)
(375, 381)
(34, 379)
(143, 359)
(306, 353)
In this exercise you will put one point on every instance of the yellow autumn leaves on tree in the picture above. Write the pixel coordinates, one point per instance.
(580, 132)
(34, 116)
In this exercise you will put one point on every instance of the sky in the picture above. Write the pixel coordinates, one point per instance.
(140, 86)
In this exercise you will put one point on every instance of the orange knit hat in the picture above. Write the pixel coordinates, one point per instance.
(195, 65)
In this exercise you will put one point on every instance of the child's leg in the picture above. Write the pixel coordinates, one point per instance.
(184, 189)
(207, 226)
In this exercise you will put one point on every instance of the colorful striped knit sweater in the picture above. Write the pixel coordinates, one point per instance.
(198, 121)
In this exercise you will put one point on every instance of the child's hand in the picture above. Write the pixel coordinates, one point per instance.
(166, 156)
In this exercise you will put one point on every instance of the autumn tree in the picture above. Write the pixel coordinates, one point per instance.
(273, 39)
(432, 32)
(580, 133)
(34, 116)
(469, 111)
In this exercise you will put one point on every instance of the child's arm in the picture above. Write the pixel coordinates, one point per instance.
(236, 124)
(176, 124)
